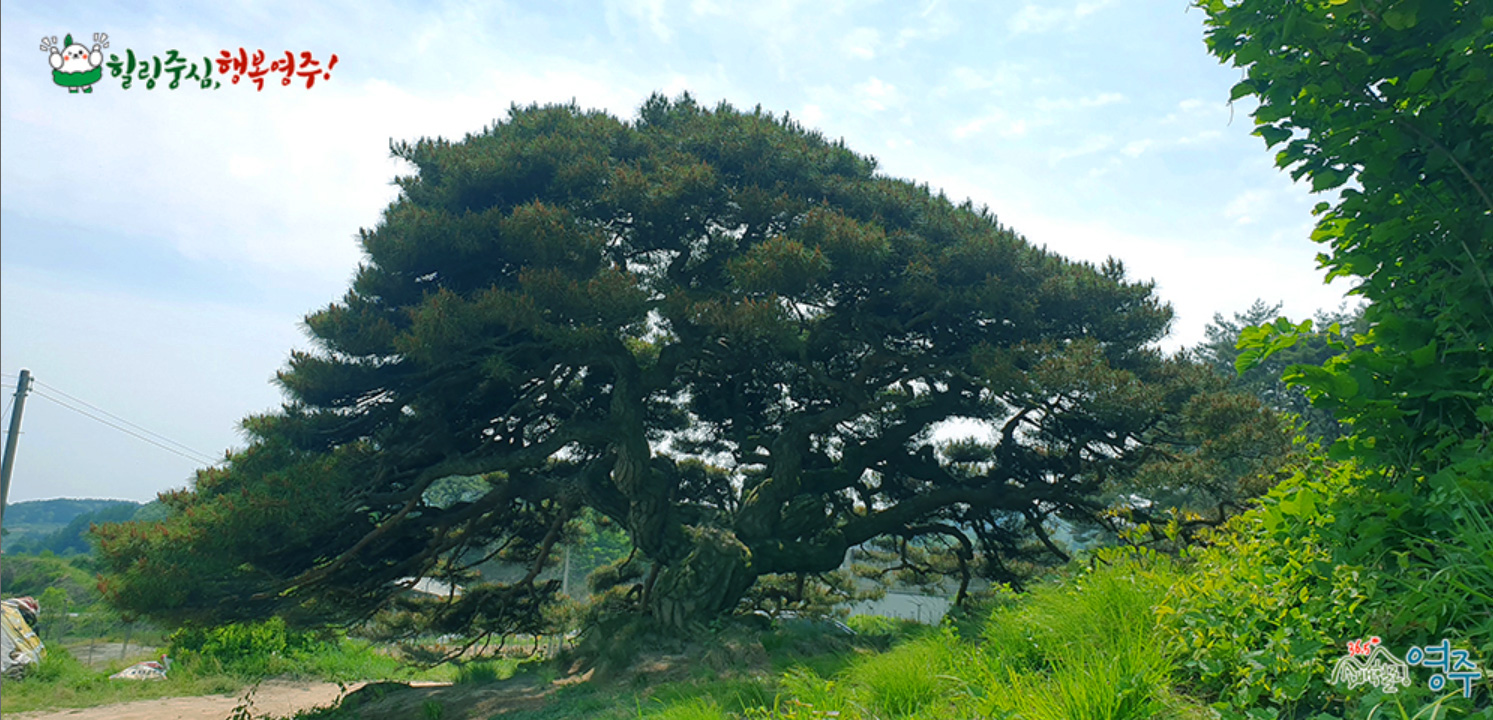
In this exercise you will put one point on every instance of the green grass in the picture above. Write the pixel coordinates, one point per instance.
(1089, 644)
(486, 670)
(63, 681)
(1084, 648)
(347, 660)
(1087, 649)
(699, 708)
(898, 684)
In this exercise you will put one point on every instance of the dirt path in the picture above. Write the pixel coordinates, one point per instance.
(274, 698)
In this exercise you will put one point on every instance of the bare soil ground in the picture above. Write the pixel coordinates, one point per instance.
(273, 698)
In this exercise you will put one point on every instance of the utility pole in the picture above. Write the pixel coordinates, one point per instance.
(9, 463)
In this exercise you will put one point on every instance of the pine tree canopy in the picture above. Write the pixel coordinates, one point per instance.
(723, 332)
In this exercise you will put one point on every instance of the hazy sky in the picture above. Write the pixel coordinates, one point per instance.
(160, 247)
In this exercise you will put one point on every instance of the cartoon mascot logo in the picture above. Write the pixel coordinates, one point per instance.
(74, 66)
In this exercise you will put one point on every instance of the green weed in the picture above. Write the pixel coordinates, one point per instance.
(62, 681)
(1084, 649)
(696, 709)
(901, 682)
(486, 670)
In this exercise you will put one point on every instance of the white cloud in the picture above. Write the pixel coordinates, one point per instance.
(1036, 19)
(650, 13)
(967, 78)
(812, 116)
(1084, 9)
(1200, 137)
(1247, 206)
(1003, 78)
(1136, 147)
(707, 7)
(1002, 123)
(933, 22)
(243, 166)
(1042, 112)
(1194, 110)
(1033, 18)
(1089, 146)
(875, 95)
(860, 43)
(976, 125)
(1063, 104)
(1105, 169)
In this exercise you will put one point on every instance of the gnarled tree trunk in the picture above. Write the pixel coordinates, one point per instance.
(707, 583)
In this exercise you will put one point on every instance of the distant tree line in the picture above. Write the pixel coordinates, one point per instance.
(79, 515)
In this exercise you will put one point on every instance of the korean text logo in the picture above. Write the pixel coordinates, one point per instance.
(76, 67)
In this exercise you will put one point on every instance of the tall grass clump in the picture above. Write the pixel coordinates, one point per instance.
(695, 709)
(1455, 581)
(908, 678)
(485, 670)
(1085, 649)
(911, 680)
(806, 694)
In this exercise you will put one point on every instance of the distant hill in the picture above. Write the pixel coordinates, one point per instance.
(59, 511)
(59, 525)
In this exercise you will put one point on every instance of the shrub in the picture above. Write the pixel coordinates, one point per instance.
(251, 649)
(1272, 602)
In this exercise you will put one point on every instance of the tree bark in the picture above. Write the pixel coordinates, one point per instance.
(706, 584)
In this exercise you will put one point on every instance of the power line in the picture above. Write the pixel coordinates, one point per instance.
(194, 456)
(8, 408)
(116, 418)
(199, 459)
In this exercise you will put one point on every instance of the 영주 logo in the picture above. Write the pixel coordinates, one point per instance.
(1368, 663)
(73, 66)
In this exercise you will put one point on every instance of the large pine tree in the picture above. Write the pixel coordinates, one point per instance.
(580, 309)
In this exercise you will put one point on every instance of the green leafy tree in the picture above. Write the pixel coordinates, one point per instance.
(52, 620)
(1220, 351)
(583, 311)
(1390, 101)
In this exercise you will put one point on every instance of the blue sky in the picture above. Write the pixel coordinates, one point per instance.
(158, 248)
